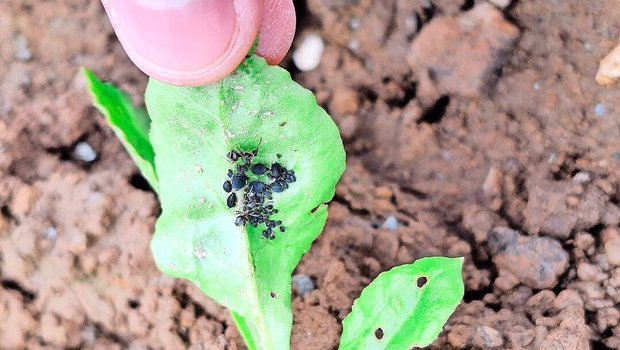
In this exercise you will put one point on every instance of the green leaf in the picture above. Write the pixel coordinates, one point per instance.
(259, 108)
(130, 124)
(403, 315)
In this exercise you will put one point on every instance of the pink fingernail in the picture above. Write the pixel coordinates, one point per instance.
(174, 41)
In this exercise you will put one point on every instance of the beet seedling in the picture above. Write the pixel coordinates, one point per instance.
(243, 170)
(236, 233)
(405, 307)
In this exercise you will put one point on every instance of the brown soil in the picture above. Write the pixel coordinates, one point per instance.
(483, 134)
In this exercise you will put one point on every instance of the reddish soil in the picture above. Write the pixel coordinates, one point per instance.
(482, 133)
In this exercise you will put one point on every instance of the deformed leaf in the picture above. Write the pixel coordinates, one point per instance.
(258, 110)
(130, 124)
(405, 307)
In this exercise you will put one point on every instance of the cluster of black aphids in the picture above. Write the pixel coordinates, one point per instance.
(256, 196)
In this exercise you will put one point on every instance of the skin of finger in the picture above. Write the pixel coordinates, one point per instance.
(277, 30)
(188, 61)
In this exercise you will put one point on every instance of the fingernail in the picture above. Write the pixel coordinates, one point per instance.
(174, 41)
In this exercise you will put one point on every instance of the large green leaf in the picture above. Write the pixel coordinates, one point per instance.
(130, 124)
(257, 108)
(394, 313)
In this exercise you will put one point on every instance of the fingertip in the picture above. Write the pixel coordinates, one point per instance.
(277, 30)
(190, 42)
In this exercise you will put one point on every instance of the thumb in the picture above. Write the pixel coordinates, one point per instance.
(186, 42)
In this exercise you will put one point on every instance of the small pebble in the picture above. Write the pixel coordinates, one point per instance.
(501, 4)
(582, 177)
(21, 48)
(599, 109)
(537, 85)
(412, 23)
(302, 284)
(308, 55)
(85, 152)
(355, 23)
(353, 45)
(51, 233)
(391, 223)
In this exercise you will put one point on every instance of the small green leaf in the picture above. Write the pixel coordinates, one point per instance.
(257, 108)
(130, 124)
(405, 307)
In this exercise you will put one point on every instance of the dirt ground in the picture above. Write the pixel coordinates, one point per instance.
(470, 131)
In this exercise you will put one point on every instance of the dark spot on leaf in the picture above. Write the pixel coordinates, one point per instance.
(282, 124)
(421, 281)
(379, 333)
(315, 209)
(273, 295)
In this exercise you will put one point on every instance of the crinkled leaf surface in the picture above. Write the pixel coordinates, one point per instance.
(259, 108)
(130, 124)
(393, 313)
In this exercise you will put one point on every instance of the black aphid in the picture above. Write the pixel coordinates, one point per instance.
(231, 201)
(227, 186)
(255, 197)
(238, 181)
(241, 220)
(257, 187)
(232, 156)
(276, 170)
(268, 234)
(258, 169)
(243, 168)
(277, 187)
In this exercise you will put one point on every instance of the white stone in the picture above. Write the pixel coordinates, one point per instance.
(391, 223)
(84, 152)
(21, 48)
(302, 284)
(582, 177)
(51, 233)
(308, 55)
(609, 68)
(501, 4)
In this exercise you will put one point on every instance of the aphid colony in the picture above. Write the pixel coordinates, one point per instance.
(253, 198)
